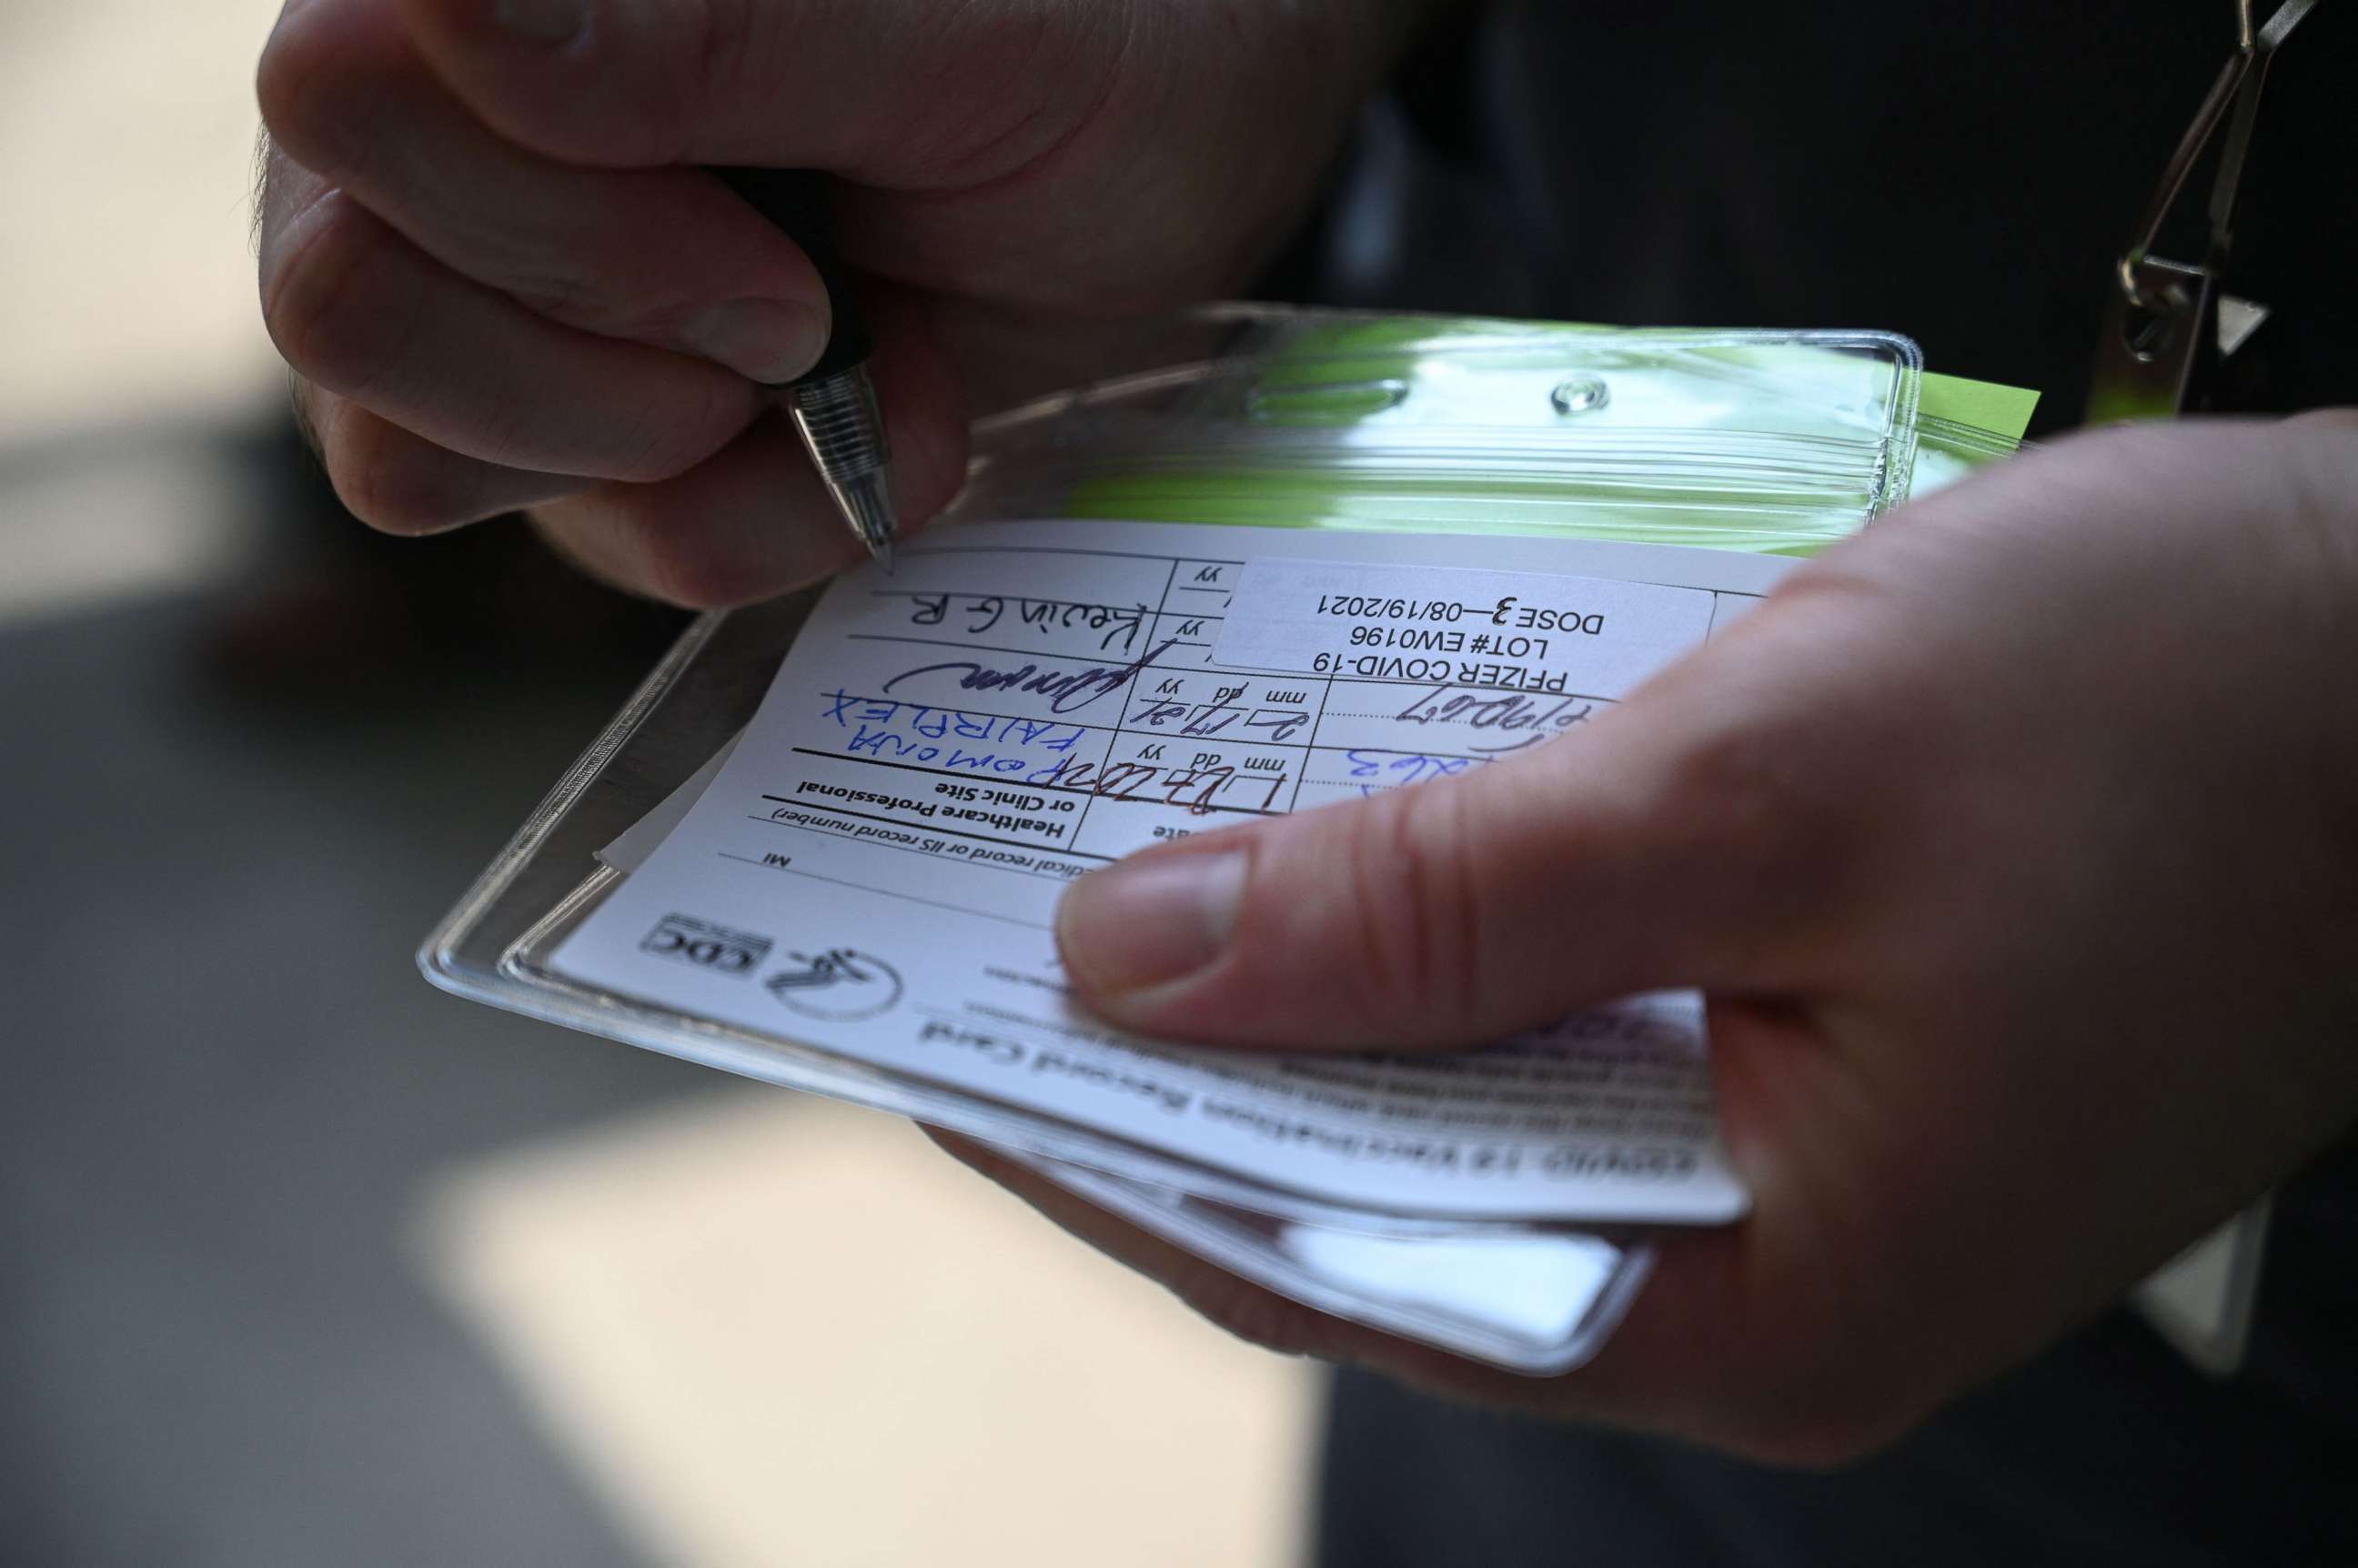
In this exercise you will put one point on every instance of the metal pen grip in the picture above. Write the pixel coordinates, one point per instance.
(841, 424)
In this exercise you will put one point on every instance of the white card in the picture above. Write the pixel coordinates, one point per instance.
(1484, 635)
(1536, 1301)
(875, 867)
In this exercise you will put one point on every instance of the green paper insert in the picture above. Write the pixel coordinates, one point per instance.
(1709, 439)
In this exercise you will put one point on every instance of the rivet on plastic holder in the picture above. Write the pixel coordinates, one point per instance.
(1583, 395)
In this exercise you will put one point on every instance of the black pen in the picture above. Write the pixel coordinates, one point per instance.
(833, 403)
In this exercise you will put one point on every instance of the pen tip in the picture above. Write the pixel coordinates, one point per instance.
(866, 501)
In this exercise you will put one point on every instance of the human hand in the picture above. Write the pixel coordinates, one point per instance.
(2015, 845)
(491, 255)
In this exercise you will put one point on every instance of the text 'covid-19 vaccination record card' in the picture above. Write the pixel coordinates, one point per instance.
(872, 869)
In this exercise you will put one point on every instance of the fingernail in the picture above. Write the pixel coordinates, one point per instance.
(542, 21)
(767, 341)
(1140, 923)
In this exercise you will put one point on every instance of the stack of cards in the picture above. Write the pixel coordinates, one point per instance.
(1474, 537)
(869, 873)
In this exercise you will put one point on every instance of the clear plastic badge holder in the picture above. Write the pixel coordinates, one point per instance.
(1773, 442)
(1768, 441)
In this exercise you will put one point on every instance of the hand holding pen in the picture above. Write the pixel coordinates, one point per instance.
(496, 253)
(832, 404)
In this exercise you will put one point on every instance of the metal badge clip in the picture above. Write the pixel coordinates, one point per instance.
(2164, 328)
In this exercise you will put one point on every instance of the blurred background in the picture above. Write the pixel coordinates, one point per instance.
(302, 1262)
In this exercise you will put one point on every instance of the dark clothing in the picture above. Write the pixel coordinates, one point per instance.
(2108, 1449)
(1964, 173)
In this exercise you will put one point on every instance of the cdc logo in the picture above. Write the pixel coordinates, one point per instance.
(707, 946)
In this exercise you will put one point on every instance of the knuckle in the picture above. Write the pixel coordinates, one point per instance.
(386, 482)
(987, 134)
(311, 408)
(627, 94)
(289, 65)
(1411, 907)
(316, 84)
(325, 293)
(716, 50)
(563, 292)
(670, 436)
(285, 193)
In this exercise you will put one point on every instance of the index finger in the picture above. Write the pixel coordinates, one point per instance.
(887, 93)
(666, 257)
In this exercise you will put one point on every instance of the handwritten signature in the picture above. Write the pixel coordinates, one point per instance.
(1065, 693)
(984, 611)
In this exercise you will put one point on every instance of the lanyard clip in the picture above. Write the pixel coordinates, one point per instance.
(2164, 334)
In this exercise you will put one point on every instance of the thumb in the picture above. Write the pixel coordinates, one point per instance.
(1451, 912)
